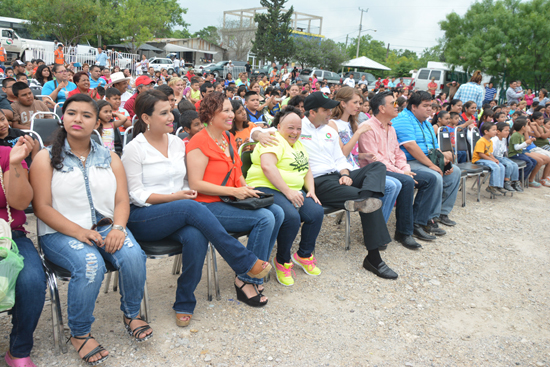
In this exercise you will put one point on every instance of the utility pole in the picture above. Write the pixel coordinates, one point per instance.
(360, 28)
(347, 35)
(98, 20)
(388, 51)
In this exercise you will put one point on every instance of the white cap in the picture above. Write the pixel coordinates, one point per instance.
(325, 90)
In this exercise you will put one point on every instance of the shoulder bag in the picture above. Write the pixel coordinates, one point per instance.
(262, 201)
(434, 154)
(11, 262)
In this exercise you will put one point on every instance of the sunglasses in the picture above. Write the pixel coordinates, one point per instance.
(103, 222)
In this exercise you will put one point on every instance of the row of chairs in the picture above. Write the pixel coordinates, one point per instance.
(468, 169)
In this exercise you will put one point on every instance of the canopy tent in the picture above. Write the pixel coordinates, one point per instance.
(365, 63)
(143, 47)
(169, 47)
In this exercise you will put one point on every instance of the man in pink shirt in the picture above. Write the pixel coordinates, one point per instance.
(380, 145)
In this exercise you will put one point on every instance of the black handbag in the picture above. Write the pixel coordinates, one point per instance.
(434, 155)
(262, 201)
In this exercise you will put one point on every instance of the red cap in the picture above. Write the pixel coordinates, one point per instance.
(143, 80)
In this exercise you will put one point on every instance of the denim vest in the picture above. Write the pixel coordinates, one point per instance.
(68, 189)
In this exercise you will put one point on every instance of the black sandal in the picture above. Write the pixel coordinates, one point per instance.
(95, 351)
(252, 301)
(136, 333)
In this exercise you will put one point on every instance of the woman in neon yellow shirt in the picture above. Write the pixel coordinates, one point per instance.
(283, 171)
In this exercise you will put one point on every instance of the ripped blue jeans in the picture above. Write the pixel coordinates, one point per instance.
(87, 266)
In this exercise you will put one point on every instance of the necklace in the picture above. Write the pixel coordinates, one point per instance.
(222, 145)
(82, 157)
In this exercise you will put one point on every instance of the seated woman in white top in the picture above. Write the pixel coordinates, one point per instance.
(163, 206)
(81, 201)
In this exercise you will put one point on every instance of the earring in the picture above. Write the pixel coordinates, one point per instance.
(148, 127)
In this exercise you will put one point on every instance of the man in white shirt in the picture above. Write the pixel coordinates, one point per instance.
(363, 81)
(350, 82)
(176, 65)
(338, 186)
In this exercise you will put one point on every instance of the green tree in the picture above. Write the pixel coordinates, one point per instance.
(67, 20)
(373, 49)
(13, 8)
(306, 51)
(209, 34)
(331, 55)
(272, 41)
(505, 38)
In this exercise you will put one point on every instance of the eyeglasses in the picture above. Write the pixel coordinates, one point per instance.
(62, 71)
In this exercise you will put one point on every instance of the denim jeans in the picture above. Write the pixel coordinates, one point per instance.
(497, 172)
(87, 266)
(443, 196)
(530, 164)
(263, 225)
(510, 167)
(461, 156)
(30, 291)
(192, 225)
(310, 213)
(392, 190)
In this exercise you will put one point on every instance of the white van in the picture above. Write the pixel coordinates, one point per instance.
(442, 77)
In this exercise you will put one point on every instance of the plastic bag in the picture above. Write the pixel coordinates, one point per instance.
(11, 263)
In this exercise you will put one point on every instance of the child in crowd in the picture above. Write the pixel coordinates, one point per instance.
(483, 155)
(486, 118)
(108, 127)
(499, 117)
(21, 77)
(191, 124)
(6, 88)
(252, 103)
(513, 106)
(454, 120)
(440, 120)
(517, 149)
(230, 92)
(500, 152)
(540, 132)
(363, 107)
(112, 95)
(25, 106)
(241, 92)
(194, 94)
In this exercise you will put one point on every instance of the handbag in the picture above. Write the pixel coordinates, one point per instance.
(434, 155)
(11, 262)
(262, 201)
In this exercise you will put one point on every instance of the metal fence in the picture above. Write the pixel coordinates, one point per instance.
(234, 70)
(121, 59)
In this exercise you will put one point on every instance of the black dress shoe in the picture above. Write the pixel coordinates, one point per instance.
(421, 234)
(444, 219)
(407, 240)
(383, 271)
(433, 228)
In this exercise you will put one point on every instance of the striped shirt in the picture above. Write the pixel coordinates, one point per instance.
(490, 93)
(408, 129)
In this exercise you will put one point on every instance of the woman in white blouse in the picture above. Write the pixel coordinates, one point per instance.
(162, 205)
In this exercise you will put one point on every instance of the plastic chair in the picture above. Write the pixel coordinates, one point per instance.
(472, 170)
(96, 136)
(45, 128)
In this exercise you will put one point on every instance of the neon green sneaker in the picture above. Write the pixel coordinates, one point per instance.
(309, 265)
(283, 272)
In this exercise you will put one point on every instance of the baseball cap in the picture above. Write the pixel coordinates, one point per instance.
(325, 90)
(143, 80)
(318, 99)
(18, 63)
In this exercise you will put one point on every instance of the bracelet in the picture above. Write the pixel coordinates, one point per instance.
(344, 174)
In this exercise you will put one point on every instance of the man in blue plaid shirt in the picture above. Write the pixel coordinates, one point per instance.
(471, 91)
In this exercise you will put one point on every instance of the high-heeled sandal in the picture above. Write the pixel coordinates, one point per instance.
(136, 333)
(252, 301)
(260, 269)
(185, 321)
(94, 351)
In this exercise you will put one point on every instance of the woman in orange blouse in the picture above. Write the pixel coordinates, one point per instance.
(208, 163)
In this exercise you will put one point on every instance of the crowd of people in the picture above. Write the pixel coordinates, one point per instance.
(313, 145)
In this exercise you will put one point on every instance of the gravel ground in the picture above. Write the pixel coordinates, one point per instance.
(476, 297)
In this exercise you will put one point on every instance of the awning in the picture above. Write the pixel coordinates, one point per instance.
(365, 63)
(170, 47)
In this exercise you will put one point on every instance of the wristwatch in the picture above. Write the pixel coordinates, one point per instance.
(120, 228)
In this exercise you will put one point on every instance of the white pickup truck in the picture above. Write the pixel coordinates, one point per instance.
(14, 45)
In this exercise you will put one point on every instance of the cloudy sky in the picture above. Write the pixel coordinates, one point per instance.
(404, 24)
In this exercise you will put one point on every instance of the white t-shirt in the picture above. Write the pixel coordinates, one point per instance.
(176, 63)
(350, 82)
(345, 133)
